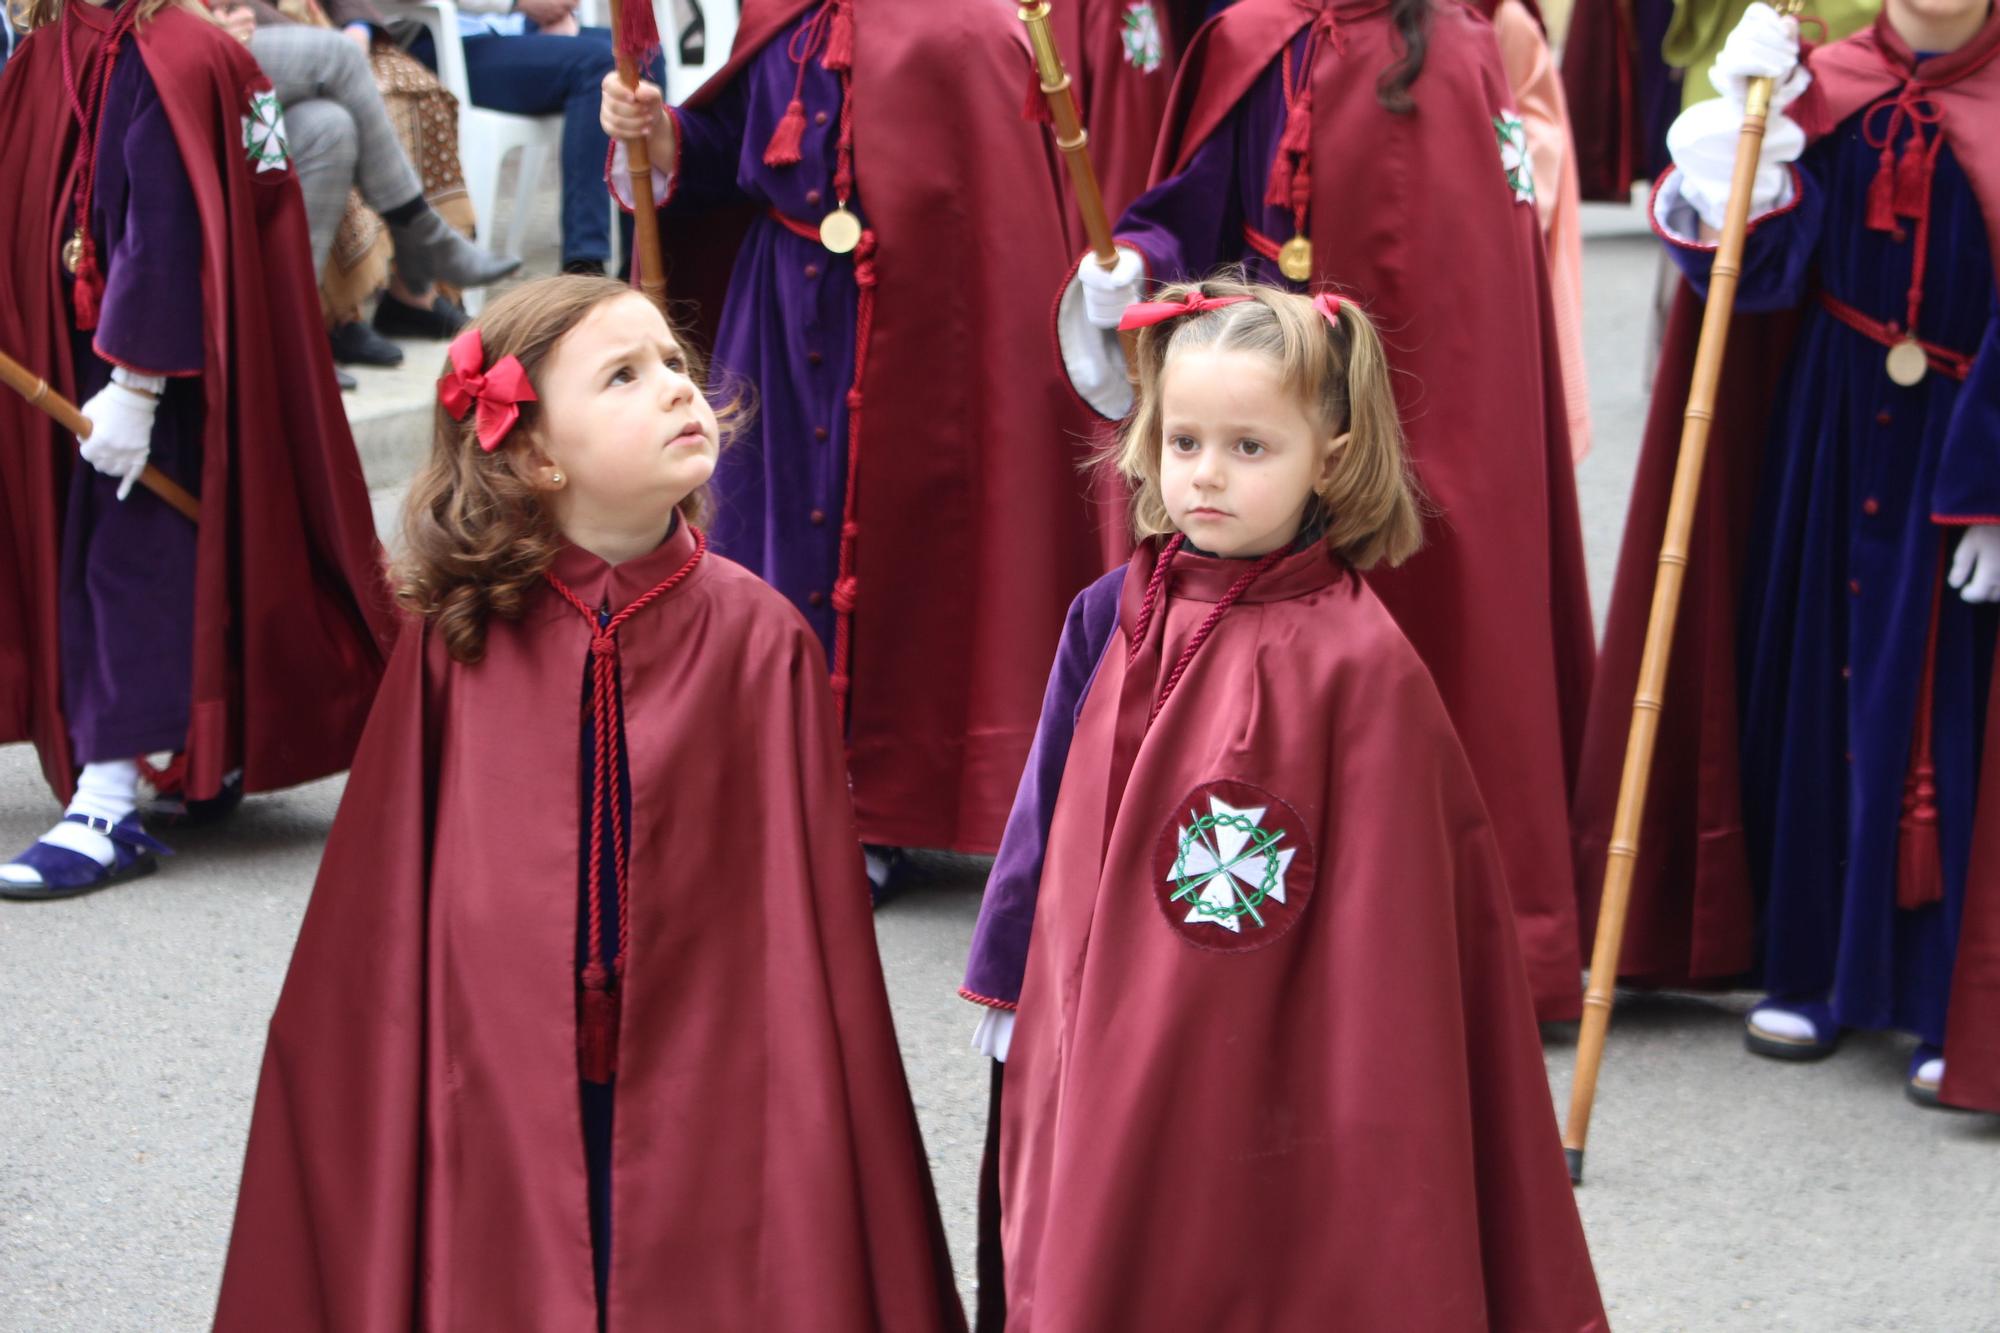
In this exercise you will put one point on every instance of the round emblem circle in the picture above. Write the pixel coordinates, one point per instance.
(1907, 363)
(1233, 867)
(1295, 259)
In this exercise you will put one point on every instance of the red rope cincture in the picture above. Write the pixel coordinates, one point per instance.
(87, 292)
(597, 1026)
(846, 584)
(1290, 183)
(1150, 605)
(1919, 858)
(1901, 189)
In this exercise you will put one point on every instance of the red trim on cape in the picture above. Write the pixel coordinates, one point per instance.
(1009, 1005)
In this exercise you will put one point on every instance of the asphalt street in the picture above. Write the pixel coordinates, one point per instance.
(1725, 1192)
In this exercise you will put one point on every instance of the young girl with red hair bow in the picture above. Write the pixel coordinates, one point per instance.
(586, 1018)
(1247, 951)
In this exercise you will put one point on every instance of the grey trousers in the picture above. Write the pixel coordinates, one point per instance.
(339, 130)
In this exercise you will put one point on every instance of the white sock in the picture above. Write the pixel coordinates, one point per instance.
(1931, 1072)
(1784, 1025)
(107, 791)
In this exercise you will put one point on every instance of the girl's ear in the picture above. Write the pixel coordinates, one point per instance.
(1330, 459)
(546, 473)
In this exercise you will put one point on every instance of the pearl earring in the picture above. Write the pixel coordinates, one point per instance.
(556, 478)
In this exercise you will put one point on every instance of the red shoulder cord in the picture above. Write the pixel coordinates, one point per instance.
(1901, 187)
(597, 1032)
(1290, 185)
(1150, 605)
(87, 103)
(830, 31)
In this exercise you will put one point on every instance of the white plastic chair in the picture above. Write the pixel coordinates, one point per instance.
(486, 138)
(719, 21)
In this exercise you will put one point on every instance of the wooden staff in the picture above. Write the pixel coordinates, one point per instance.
(1074, 141)
(38, 393)
(645, 221)
(1623, 853)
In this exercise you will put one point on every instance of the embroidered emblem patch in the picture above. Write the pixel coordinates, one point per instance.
(264, 141)
(1143, 47)
(1235, 867)
(1514, 161)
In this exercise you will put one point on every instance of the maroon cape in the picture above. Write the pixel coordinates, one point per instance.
(1693, 911)
(1452, 270)
(978, 531)
(416, 1158)
(1600, 83)
(1334, 1112)
(292, 617)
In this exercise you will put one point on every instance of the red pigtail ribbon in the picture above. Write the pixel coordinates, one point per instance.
(1328, 304)
(1145, 314)
(498, 393)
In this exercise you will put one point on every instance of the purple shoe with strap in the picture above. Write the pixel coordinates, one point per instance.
(51, 870)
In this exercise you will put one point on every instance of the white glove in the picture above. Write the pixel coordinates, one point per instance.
(1975, 567)
(1702, 141)
(1762, 46)
(121, 426)
(1107, 291)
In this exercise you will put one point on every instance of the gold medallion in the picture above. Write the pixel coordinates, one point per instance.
(1295, 259)
(72, 251)
(1907, 363)
(840, 231)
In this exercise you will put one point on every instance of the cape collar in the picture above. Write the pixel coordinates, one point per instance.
(600, 584)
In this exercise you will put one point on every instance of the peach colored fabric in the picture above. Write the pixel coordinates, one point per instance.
(1532, 73)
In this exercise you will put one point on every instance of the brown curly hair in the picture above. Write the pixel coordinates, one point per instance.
(477, 533)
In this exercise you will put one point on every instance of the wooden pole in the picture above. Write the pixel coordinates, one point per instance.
(1623, 853)
(645, 220)
(38, 393)
(1074, 142)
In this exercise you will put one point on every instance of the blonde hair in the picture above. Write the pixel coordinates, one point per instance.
(1369, 505)
(477, 532)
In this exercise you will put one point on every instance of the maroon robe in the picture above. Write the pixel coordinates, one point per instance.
(416, 1156)
(1334, 1112)
(1411, 215)
(1693, 913)
(955, 613)
(292, 619)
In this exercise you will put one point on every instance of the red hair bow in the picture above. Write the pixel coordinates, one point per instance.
(1145, 314)
(498, 392)
(1328, 304)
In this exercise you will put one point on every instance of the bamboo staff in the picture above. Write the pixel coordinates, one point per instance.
(636, 41)
(1074, 141)
(1622, 856)
(38, 393)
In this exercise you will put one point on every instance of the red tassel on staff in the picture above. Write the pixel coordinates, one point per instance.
(638, 34)
(1919, 861)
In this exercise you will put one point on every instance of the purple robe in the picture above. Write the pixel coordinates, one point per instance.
(128, 566)
(1865, 485)
(1176, 225)
(787, 326)
(1007, 911)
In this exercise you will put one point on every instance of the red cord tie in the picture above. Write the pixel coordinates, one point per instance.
(598, 1005)
(1919, 858)
(847, 584)
(1290, 183)
(830, 31)
(1156, 585)
(87, 292)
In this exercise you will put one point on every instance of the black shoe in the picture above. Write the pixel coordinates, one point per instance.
(429, 250)
(441, 319)
(347, 382)
(355, 344)
(694, 37)
(589, 268)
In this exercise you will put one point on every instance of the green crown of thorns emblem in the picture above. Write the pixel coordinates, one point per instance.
(1227, 866)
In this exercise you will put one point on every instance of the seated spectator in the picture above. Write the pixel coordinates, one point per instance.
(343, 140)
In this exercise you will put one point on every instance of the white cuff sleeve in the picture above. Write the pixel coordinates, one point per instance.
(132, 379)
(620, 179)
(1093, 357)
(994, 1034)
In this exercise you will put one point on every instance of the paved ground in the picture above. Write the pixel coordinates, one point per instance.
(1725, 1193)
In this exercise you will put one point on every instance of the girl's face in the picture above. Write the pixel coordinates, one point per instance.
(622, 424)
(1240, 457)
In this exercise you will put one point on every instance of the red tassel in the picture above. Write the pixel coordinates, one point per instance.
(638, 33)
(1036, 109)
(597, 1034)
(1294, 143)
(87, 291)
(1919, 864)
(840, 39)
(783, 150)
(1882, 196)
(1913, 179)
